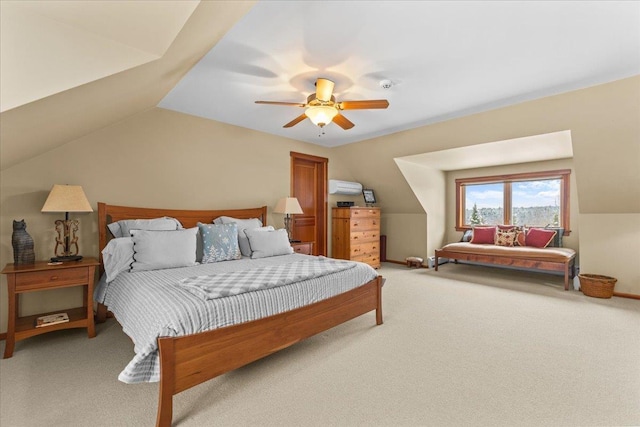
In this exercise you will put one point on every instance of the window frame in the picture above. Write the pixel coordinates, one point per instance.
(506, 180)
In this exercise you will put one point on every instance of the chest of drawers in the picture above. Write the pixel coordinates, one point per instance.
(356, 234)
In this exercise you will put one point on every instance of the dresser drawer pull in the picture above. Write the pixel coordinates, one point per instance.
(54, 278)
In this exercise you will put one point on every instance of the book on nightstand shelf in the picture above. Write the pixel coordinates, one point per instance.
(51, 319)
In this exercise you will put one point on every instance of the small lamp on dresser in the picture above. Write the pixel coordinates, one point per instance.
(288, 206)
(66, 198)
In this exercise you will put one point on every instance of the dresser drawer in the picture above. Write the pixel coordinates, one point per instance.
(365, 213)
(51, 279)
(362, 224)
(372, 259)
(365, 249)
(364, 236)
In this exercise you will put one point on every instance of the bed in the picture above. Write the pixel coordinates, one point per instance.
(189, 353)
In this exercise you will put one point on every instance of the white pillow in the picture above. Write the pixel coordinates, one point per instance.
(155, 250)
(117, 256)
(243, 224)
(123, 227)
(266, 243)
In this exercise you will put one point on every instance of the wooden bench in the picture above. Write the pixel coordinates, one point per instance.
(545, 259)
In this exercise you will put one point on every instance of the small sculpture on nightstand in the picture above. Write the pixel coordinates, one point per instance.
(22, 244)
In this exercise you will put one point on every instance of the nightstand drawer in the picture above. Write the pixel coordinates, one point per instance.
(305, 248)
(51, 279)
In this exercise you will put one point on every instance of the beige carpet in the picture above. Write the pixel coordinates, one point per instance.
(466, 346)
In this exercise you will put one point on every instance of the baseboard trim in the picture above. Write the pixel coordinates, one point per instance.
(623, 295)
(3, 336)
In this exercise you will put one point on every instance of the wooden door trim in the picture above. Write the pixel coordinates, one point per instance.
(309, 157)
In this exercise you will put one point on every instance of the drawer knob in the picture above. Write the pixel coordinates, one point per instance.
(54, 278)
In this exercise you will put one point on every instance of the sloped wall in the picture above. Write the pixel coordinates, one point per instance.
(605, 130)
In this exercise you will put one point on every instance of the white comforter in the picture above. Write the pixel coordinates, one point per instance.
(151, 304)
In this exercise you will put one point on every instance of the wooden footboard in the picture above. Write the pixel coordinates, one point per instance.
(190, 360)
(566, 266)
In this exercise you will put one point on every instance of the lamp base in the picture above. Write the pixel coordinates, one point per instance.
(66, 258)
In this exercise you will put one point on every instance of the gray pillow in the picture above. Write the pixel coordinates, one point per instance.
(158, 249)
(123, 227)
(220, 242)
(266, 243)
(243, 224)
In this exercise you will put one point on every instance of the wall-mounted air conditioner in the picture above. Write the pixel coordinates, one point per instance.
(344, 187)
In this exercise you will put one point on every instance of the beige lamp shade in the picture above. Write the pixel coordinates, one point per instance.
(288, 205)
(67, 198)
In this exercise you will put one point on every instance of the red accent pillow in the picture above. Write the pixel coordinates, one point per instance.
(539, 237)
(484, 235)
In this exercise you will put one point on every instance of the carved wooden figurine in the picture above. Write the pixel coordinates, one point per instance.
(22, 244)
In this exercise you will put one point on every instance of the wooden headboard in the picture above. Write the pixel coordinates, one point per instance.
(189, 218)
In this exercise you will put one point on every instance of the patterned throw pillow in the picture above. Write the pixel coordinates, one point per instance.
(219, 242)
(521, 237)
(506, 237)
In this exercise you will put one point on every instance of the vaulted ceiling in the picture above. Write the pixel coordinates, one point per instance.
(72, 67)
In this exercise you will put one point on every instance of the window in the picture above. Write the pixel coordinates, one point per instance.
(534, 199)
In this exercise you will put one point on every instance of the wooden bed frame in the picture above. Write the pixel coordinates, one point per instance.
(189, 360)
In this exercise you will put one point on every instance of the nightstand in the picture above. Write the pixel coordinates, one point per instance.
(303, 248)
(41, 276)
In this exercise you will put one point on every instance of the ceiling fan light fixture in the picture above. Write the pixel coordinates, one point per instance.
(321, 115)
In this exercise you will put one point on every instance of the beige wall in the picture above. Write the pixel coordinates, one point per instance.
(605, 132)
(154, 159)
(166, 159)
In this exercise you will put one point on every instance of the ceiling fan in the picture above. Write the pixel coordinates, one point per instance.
(322, 108)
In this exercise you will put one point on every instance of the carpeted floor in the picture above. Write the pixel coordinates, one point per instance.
(466, 346)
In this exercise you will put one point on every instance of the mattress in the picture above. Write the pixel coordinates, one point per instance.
(151, 304)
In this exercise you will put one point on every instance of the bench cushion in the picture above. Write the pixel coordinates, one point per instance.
(524, 252)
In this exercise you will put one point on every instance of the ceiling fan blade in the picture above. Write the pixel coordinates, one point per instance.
(295, 121)
(363, 105)
(295, 104)
(324, 89)
(343, 122)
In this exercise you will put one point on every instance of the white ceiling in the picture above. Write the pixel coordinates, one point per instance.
(445, 60)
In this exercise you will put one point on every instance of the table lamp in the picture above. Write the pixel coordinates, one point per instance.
(66, 198)
(288, 206)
